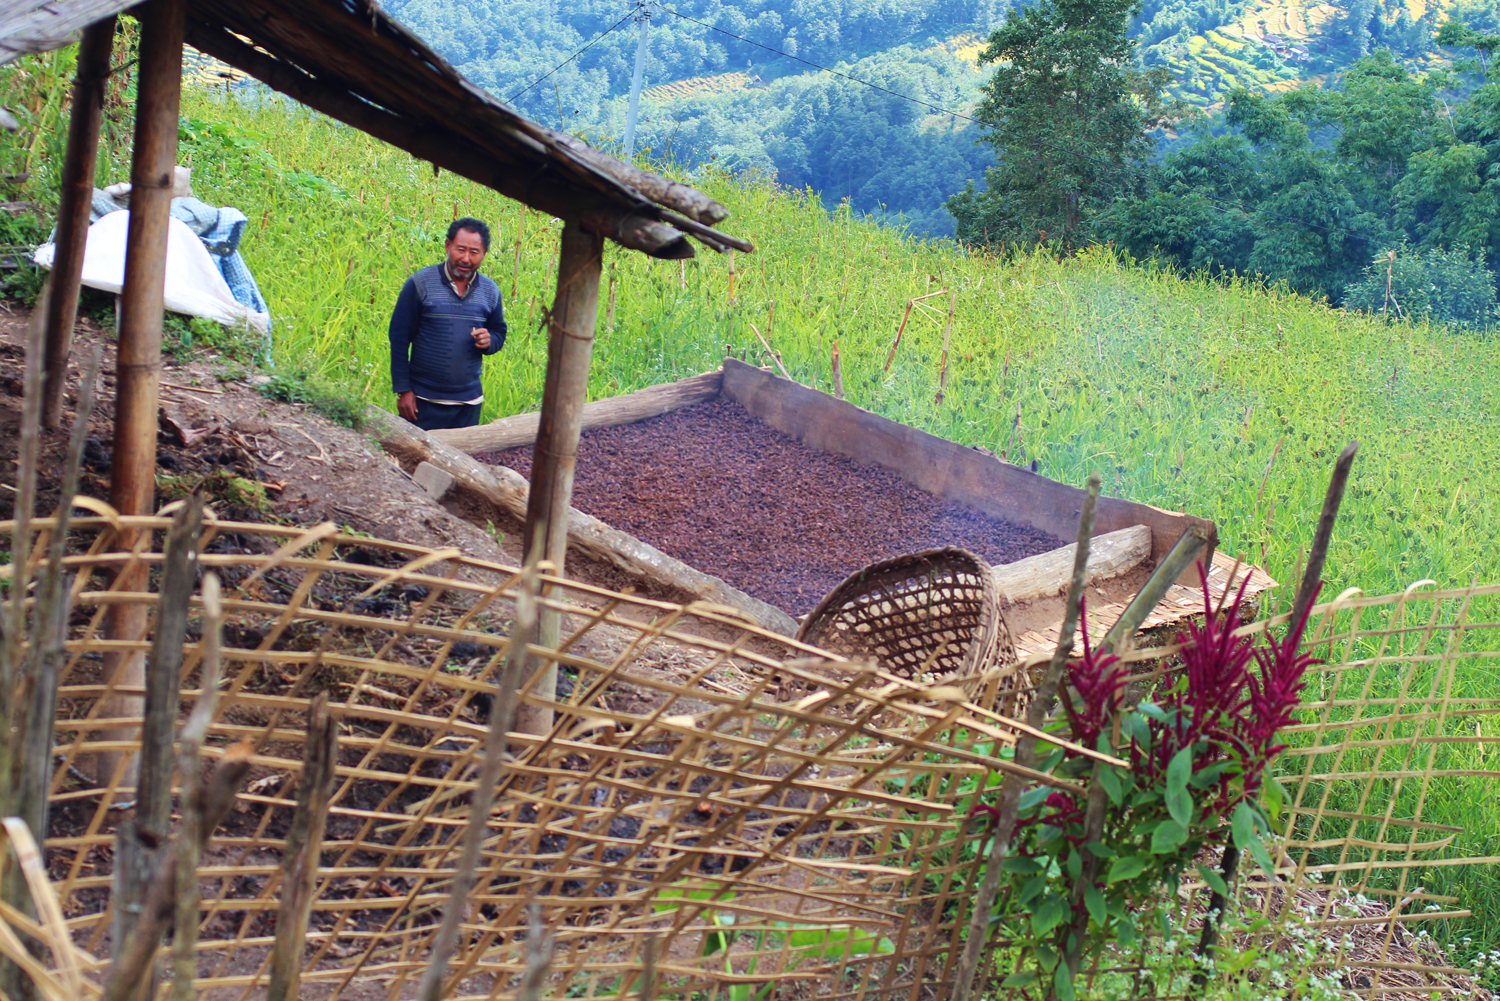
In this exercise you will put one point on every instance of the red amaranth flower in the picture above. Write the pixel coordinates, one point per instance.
(1276, 693)
(1099, 686)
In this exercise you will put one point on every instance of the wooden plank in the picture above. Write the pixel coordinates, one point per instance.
(521, 429)
(949, 470)
(1047, 575)
(508, 491)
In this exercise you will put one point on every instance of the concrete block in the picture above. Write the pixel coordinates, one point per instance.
(435, 481)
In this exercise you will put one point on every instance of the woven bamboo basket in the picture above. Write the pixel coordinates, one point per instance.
(931, 614)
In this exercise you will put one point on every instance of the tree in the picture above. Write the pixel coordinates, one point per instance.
(1440, 286)
(1069, 115)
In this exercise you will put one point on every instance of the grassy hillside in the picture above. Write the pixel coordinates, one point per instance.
(1185, 393)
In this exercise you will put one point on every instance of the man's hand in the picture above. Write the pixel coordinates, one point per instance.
(481, 338)
(406, 405)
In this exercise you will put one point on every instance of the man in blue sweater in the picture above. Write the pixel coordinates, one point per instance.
(447, 318)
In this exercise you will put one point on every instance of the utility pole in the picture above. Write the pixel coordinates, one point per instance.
(643, 18)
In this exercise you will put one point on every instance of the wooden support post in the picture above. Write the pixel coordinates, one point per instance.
(138, 361)
(570, 346)
(77, 197)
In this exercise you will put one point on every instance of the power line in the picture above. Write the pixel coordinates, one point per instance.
(575, 55)
(1035, 143)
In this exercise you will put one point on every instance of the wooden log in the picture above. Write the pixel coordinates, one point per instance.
(510, 432)
(570, 349)
(592, 538)
(1038, 578)
(947, 469)
(75, 201)
(689, 201)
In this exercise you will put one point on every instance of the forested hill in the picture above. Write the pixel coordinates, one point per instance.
(717, 91)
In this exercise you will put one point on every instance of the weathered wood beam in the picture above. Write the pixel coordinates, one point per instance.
(77, 196)
(487, 165)
(653, 401)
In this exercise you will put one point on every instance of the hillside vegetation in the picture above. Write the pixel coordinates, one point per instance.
(748, 100)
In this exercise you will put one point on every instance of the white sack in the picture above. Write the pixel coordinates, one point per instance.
(194, 284)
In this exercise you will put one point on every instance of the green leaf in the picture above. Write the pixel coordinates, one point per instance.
(1021, 864)
(1274, 795)
(1263, 857)
(1179, 800)
(1031, 888)
(1168, 837)
(1049, 915)
(1110, 780)
(1214, 880)
(1062, 983)
(1022, 978)
(1093, 899)
(1075, 865)
(1128, 867)
(1242, 825)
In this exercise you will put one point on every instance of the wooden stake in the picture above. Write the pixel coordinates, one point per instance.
(731, 277)
(134, 956)
(76, 199)
(774, 356)
(190, 767)
(770, 318)
(570, 346)
(138, 842)
(609, 312)
(891, 356)
(947, 336)
(838, 373)
(138, 360)
(515, 278)
(304, 848)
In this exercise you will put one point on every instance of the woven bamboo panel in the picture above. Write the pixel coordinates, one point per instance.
(934, 613)
(751, 809)
(678, 792)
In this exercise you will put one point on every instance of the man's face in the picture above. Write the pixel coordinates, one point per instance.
(465, 252)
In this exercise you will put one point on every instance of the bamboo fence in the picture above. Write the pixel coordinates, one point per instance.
(717, 809)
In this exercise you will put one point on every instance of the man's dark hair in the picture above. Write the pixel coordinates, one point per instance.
(473, 226)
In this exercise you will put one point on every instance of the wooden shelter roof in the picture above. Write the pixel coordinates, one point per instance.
(351, 61)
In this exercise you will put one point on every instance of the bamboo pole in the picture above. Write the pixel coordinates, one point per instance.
(138, 360)
(304, 847)
(838, 373)
(76, 199)
(570, 346)
(519, 663)
(1036, 716)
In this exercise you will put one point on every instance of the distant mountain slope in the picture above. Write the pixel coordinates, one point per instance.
(725, 82)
